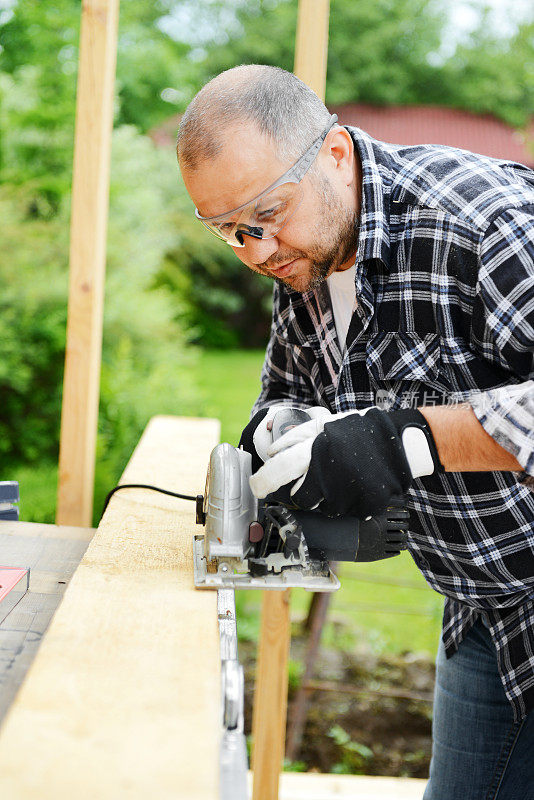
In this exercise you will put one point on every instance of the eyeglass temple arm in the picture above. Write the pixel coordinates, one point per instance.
(303, 165)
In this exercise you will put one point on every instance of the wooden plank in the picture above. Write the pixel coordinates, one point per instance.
(311, 46)
(270, 718)
(90, 190)
(270, 697)
(123, 698)
(311, 786)
(52, 554)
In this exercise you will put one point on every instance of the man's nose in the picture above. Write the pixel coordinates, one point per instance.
(259, 250)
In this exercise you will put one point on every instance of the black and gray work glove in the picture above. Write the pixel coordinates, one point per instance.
(358, 464)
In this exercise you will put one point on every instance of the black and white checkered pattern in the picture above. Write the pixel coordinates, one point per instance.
(444, 313)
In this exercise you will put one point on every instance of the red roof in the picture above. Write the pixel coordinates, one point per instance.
(480, 133)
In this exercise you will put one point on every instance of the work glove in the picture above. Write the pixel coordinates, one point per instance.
(358, 464)
(257, 436)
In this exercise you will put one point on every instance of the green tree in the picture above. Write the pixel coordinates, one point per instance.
(148, 60)
(388, 52)
(146, 357)
(38, 66)
(494, 74)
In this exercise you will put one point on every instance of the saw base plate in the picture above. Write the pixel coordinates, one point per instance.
(312, 579)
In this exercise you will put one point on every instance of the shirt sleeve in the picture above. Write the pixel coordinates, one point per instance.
(282, 378)
(503, 328)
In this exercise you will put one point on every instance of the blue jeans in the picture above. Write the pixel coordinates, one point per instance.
(478, 751)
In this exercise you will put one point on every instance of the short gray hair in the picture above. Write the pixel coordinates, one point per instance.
(278, 102)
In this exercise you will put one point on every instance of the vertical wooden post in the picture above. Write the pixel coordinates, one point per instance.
(90, 193)
(270, 696)
(311, 47)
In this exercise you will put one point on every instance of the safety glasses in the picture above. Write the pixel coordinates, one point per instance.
(267, 213)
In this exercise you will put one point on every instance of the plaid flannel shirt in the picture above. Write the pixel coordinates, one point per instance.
(444, 313)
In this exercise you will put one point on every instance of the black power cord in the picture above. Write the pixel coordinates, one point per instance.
(143, 486)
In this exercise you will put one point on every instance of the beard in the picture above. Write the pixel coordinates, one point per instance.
(336, 241)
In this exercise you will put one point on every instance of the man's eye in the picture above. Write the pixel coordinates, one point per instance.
(268, 213)
(224, 227)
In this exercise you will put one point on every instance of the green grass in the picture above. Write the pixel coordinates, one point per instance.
(229, 382)
(37, 485)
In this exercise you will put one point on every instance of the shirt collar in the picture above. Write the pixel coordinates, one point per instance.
(373, 241)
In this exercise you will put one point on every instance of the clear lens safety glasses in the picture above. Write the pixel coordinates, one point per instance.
(265, 215)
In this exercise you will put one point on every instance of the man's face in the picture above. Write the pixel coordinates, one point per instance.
(321, 235)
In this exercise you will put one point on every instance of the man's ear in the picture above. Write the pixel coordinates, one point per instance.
(340, 154)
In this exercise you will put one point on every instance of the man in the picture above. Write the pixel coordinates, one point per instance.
(403, 318)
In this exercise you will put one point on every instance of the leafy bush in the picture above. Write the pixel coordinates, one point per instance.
(224, 304)
(146, 357)
(32, 328)
(355, 756)
(145, 353)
